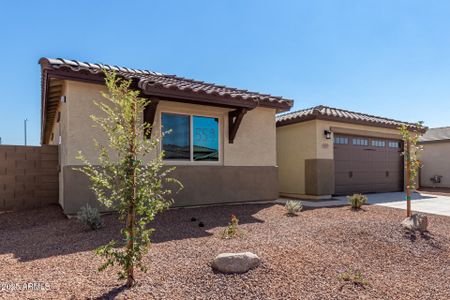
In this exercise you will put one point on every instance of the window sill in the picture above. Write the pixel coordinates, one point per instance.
(192, 163)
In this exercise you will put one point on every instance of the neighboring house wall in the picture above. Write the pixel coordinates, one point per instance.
(436, 161)
(246, 170)
(306, 158)
(28, 177)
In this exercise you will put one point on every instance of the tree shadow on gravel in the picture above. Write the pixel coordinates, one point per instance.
(425, 237)
(46, 232)
(112, 294)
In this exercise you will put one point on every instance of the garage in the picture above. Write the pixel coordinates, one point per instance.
(367, 165)
(324, 151)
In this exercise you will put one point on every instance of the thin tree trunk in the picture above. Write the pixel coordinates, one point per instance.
(408, 178)
(130, 247)
(132, 207)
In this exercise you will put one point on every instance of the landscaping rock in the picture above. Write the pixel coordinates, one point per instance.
(235, 262)
(417, 222)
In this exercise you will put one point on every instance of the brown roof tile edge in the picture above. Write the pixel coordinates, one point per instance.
(322, 112)
(154, 82)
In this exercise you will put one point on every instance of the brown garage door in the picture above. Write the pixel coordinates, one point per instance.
(367, 165)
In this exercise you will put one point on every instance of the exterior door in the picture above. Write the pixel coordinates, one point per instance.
(367, 165)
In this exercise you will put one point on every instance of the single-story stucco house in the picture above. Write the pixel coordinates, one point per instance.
(223, 140)
(324, 151)
(435, 158)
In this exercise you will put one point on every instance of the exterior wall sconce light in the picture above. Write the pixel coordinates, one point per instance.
(327, 134)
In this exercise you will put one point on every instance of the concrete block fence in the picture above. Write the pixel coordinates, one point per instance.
(28, 176)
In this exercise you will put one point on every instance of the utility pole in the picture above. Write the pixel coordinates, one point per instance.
(25, 129)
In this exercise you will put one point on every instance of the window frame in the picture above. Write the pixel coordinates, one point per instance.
(360, 139)
(377, 143)
(338, 138)
(390, 143)
(191, 160)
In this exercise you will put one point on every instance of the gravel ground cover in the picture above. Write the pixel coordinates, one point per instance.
(303, 257)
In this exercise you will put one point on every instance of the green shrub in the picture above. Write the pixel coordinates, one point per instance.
(357, 200)
(90, 217)
(353, 276)
(232, 228)
(293, 206)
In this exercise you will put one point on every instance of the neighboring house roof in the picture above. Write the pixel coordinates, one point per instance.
(436, 135)
(149, 79)
(322, 112)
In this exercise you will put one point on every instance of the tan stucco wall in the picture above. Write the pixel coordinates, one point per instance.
(255, 141)
(435, 158)
(254, 144)
(295, 144)
(299, 142)
(80, 131)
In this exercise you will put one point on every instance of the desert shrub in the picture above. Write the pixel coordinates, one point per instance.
(293, 206)
(90, 217)
(353, 276)
(357, 200)
(232, 229)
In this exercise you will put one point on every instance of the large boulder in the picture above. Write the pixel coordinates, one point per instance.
(417, 222)
(235, 262)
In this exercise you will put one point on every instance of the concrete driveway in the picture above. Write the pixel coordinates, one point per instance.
(421, 202)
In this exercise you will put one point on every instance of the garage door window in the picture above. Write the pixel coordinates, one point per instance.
(378, 143)
(394, 144)
(340, 140)
(360, 142)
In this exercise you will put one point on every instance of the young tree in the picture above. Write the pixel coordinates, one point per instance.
(123, 179)
(410, 153)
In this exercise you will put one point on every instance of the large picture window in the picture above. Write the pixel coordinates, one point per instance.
(191, 138)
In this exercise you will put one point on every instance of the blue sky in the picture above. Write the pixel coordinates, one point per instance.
(389, 58)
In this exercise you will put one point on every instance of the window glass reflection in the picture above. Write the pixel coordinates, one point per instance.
(176, 143)
(206, 138)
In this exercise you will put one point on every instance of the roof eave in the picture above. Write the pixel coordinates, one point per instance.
(68, 73)
(63, 72)
(434, 141)
(316, 116)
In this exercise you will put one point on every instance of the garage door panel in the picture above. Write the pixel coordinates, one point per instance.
(360, 167)
(378, 166)
(369, 177)
(343, 166)
(341, 153)
(342, 178)
(394, 164)
(378, 156)
(373, 169)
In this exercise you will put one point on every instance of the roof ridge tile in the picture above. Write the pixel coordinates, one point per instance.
(337, 114)
(170, 82)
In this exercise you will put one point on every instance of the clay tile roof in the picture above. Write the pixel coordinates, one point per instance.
(339, 115)
(149, 79)
(436, 134)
